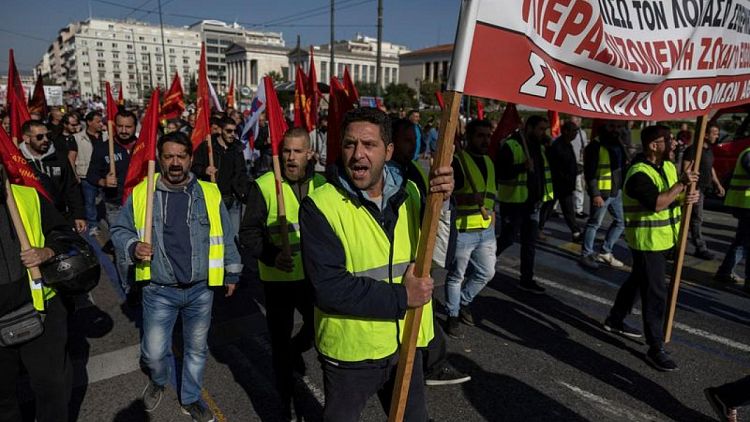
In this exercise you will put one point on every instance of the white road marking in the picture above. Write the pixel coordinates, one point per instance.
(594, 298)
(109, 365)
(608, 406)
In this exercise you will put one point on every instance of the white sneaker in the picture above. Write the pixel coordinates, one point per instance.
(609, 259)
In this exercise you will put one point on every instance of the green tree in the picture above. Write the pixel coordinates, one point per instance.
(399, 96)
(275, 76)
(365, 89)
(427, 93)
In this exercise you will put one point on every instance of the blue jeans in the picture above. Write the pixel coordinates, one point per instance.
(125, 272)
(613, 205)
(475, 258)
(737, 250)
(161, 305)
(89, 202)
(235, 215)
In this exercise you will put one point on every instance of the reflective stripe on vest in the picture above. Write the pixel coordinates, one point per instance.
(369, 253)
(212, 198)
(267, 186)
(516, 191)
(647, 230)
(468, 215)
(738, 192)
(29, 208)
(604, 172)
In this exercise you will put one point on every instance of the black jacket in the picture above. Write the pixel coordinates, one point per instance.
(99, 168)
(506, 170)
(564, 167)
(60, 181)
(231, 175)
(14, 282)
(337, 291)
(591, 162)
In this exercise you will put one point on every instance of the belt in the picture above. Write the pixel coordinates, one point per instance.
(179, 285)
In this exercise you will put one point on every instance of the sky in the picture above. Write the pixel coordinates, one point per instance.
(30, 26)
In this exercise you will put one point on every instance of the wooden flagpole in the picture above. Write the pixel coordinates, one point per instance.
(210, 149)
(15, 217)
(674, 285)
(280, 206)
(149, 202)
(448, 125)
(111, 144)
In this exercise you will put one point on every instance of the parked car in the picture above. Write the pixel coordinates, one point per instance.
(734, 137)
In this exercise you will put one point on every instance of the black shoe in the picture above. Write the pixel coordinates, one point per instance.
(198, 412)
(464, 314)
(705, 254)
(660, 360)
(723, 412)
(621, 328)
(152, 396)
(531, 287)
(581, 215)
(447, 375)
(453, 327)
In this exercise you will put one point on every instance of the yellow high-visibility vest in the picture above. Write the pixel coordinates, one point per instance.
(468, 216)
(738, 193)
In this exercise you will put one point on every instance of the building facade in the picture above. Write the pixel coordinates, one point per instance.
(87, 54)
(247, 63)
(430, 64)
(359, 55)
(220, 36)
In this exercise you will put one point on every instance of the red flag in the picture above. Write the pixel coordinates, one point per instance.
(120, 98)
(440, 101)
(111, 105)
(554, 123)
(38, 102)
(17, 168)
(173, 104)
(313, 93)
(145, 147)
(300, 98)
(275, 116)
(203, 104)
(509, 123)
(349, 87)
(338, 104)
(480, 110)
(16, 100)
(230, 95)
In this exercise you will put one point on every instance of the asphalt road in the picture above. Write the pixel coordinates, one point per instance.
(531, 357)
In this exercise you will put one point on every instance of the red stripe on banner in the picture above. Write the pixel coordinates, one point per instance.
(532, 77)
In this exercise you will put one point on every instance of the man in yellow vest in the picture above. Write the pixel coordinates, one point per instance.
(45, 358)
(359, 241)
(524, 182)
(738, 197)
(473, 264)
(192, 250)
(652, 201)
(284, 283)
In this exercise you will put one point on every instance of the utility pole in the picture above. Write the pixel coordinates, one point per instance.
(163, 48)
(299, 55)
(379, 59)
(333, 67)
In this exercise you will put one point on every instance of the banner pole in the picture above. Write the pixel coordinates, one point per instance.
(111, 145)
(210, 149)
(149, 202)
(674, 285)
(281, 207)
(448, 125)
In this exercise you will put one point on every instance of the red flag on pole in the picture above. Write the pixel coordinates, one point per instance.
(338, 104)
(230, 95)
(120, 97)
(173, 104)
(275, 116)
(16, 100)
(203, 104)
(300, 98)
(480, 110)
(16, 167)
(349, 87)
(313, 93)
(440, 101)
(38, 102)
(111, 105)
(145, 147)
(554, 123)
(509, 123)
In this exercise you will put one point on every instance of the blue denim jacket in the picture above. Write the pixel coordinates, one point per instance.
(124, 237)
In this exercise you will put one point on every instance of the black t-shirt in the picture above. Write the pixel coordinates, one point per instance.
(707, 163)
(641, 188)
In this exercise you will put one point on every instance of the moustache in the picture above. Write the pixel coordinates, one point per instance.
(175, 168)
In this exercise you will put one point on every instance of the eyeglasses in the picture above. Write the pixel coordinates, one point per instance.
(40, 136)
(229, 130)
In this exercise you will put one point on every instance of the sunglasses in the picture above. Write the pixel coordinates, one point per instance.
(230, 130)
(40, 136)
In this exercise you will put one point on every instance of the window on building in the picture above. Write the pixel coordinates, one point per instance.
(387, 77)
(212, 41)
(339, 69)
(83, 43)
(158, 49)
(111, 27)
(86, 84)
(129, 46)
(185, 61)
(117, 76)
(225, 42)
(372, 74)
(140, 38)
(394, 77)
(131, 76)
(172, 59)
(100, 54)
(84, 53)
(115, 55)
(212, 50)
(158, 68)
(144, 67)
(115, 65)
(100, 65)
(130, 67)
(212, 59)
(99, 44)
(324, 70)
(144, 57)
(144, 48)
(364, 73)
(356, 72)
(171, 50)
(114, 45)
(86, 74)
(169, 41)
(426, 75)
(131, 56)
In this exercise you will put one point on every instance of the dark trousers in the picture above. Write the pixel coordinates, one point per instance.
(46, 361)
(735, 394)
(696, 221)
(348, 387)
(435, 354)
(568, 207)
(523, 217)
(647, 278)
(282, 298)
